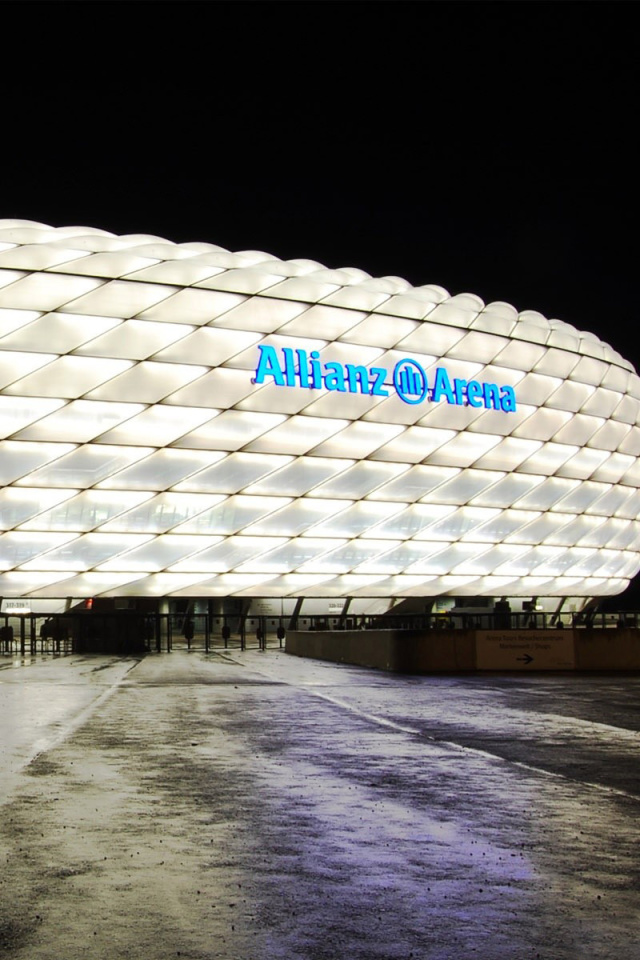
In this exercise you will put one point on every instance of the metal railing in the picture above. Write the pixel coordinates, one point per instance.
(59, 634)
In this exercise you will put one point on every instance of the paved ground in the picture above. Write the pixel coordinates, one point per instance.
(259, 806)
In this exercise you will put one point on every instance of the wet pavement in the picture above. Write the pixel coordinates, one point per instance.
(255, 805)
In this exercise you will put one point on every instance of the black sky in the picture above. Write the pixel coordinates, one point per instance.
(486, 147)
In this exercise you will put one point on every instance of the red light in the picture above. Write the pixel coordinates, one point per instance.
(88, 603)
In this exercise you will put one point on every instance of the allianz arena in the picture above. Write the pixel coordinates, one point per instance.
(179, 421)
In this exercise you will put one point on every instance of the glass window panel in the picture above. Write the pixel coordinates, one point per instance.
(551, 561)
(444, 561)
(464, 486)
(18, 458)
(583, 464)
(15, 320)
(576, 530)
(231, 430)
(511, 452)
(117, 298)
(162, 512)
(535, 388)
(518, 565)
(299, 553)
(582, 497)
(550, 491)
(587, 562)
(414, 444)
(570, 396)
(432, 339)
(412, 521)
(545, 526)
(359, 480)
(160, 470)
(78, 421)
(358, 440)
(578, 430)
(158, 425)
(355, 519)
(610, 435)
(460, 523)
(413, 483)
(464, 450)
(158, 553)
(548, 458)
(234, 514)
(84, 511)
(603, 402)
(543, 424)
(505, 524)
(132, 339)
(589, 370)
(227, 387)
(291, 584)
(499, 422)
(148, 382)
(233, 473)
(297, 478)
(200, 306)
(519, 355)
(612, 469)
(507, 491)
(383, 331)
(16, 366)
(631, 443)
(293, 519)
(228, 554)
(628, 509)
(297, 435)
(354, 554)
(18, 412)
(46, 291)
(383, 563)
(224, 585)
(85, 552)
(331, 320)
(600, 532)
(94, 584)
(491, 560)
(17, 548)
(478, 346)
(63, 332)
(20, 583)
(83, 466)
(410, 553)
(17, 504)
(69, 377)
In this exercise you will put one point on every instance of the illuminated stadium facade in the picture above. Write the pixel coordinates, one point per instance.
(179, 421)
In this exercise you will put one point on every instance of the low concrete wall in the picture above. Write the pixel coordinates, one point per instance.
(608, 649)
(403, 651)
(455, 651)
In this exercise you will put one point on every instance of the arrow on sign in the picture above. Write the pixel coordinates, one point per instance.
(525, 659)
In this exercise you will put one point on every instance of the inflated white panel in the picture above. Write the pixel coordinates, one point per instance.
(177, 419)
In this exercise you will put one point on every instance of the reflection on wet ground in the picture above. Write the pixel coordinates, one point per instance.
(262, 806)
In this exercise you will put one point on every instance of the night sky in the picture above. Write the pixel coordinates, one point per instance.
(485, 147)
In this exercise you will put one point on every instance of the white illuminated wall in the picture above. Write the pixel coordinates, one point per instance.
(137, 457)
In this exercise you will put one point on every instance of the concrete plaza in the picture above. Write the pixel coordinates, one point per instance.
(256, 805)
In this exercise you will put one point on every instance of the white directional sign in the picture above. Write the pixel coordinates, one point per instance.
(525, 650)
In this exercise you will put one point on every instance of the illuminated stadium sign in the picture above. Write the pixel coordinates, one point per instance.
(296, 368)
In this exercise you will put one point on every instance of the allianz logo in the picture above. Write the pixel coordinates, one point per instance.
(297, 368)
